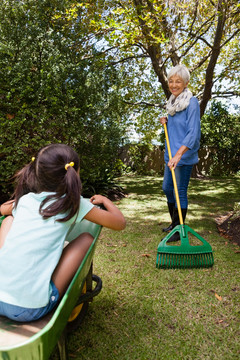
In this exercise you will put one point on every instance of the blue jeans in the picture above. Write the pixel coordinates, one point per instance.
(21, 314)
(183, 174)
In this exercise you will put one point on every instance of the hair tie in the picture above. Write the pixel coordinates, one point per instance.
(33, 159)
(69, 164)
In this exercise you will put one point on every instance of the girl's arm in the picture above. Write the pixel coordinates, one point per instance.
(111, 217)
(6, 208)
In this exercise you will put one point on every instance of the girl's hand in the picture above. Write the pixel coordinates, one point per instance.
(111, 217)
(163, 120)
(97, 199)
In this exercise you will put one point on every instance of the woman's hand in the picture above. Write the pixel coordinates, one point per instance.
(163, 120)
(175, 160)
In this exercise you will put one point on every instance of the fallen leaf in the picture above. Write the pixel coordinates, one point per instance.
(146, 255)
(80, 348)
(112, 251)
(218, 296)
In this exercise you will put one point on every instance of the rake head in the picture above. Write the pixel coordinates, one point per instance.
(185, 255)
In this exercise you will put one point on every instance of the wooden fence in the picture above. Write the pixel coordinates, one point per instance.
(154, 159)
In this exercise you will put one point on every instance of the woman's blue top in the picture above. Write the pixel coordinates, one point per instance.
(184, 129)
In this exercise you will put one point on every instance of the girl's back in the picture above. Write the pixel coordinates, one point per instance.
(32, 250)
(35, 268)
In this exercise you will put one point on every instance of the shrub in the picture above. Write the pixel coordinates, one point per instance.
(221, 131)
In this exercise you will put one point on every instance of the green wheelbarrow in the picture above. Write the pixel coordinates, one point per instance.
(37, 340)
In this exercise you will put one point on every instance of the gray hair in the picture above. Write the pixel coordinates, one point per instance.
(181, 71)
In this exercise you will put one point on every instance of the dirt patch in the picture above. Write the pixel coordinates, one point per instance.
(229, 226)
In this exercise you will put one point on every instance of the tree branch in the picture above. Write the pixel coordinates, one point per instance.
(230, 38)
(207, 92)
(128, 58)
(226, 94)
(153, 48)
(144, 103)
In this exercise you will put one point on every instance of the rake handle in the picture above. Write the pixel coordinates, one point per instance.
(173, 177)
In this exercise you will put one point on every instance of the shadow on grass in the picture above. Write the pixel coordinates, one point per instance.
(144, 313)
(213, 194)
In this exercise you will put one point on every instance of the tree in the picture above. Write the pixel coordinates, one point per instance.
(204, 35)
(53, 89)
(150, 36)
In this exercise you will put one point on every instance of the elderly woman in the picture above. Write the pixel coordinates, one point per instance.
(183, 125)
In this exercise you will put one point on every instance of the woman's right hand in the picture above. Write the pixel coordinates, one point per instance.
(163, 120)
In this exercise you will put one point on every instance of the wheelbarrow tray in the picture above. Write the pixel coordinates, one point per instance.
(37, 339)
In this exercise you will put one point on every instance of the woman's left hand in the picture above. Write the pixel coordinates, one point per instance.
(174, 161)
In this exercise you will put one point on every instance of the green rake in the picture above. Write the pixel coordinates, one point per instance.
(185, 255)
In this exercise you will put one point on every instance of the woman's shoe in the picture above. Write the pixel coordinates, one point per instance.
(176, 235)
(171, 207)
(167, 229)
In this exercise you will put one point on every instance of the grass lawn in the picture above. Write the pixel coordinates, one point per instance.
(147, 313)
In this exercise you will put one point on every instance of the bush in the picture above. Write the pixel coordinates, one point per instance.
(137, 155)
(221, 132)
(51, 93)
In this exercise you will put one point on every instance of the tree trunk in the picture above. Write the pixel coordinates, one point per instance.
(207, 93)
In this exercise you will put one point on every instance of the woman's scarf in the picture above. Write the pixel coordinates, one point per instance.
(179, 103)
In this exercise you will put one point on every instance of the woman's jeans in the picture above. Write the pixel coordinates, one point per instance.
(183, 174)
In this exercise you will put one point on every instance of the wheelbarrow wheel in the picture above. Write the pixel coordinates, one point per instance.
(74, 324)
(81, 308)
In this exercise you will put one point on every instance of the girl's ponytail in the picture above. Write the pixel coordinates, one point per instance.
(57, 170)
(73, 191)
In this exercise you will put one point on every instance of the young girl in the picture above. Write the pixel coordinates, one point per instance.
(35, 269)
